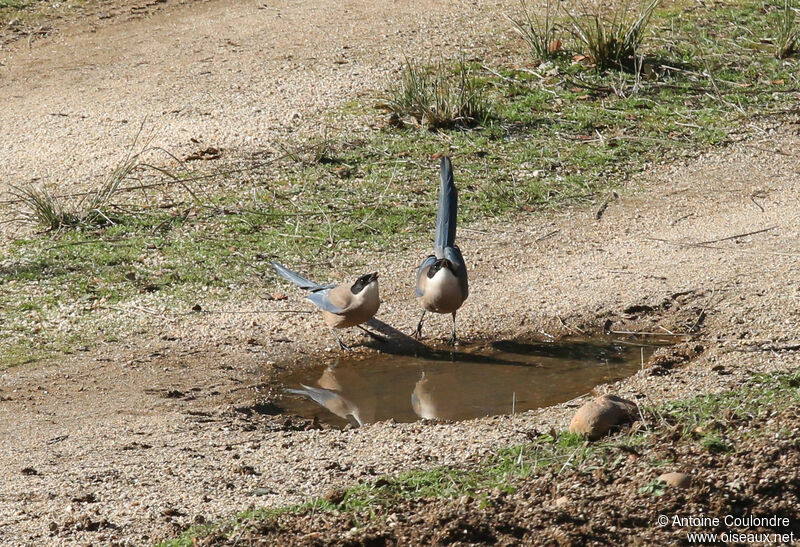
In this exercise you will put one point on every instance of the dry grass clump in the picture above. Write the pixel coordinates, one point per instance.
(44, 208)
(539, 31)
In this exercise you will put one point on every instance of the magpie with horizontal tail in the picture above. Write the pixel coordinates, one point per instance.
(342, 306)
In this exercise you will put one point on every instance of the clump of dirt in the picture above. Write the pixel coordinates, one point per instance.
(616, 503)
(665, 359)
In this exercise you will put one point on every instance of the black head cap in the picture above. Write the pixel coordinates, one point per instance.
(438, 265)
(362, 282)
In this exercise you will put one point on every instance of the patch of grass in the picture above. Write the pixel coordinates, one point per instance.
(365, 500)
(45, 209)
(702, 415)
(14, 4)
(28, 13)
(439, 95)
(654, 488)
(188, 537)
(714, 444)
(498, 472)
(612, 42)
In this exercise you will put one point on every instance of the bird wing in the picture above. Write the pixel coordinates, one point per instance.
(448, 209)
(453, 254)
(341, 296)
(421, 271)
(319, 396)
(322, 299)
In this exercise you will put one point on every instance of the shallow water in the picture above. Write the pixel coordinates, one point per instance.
(500, 378)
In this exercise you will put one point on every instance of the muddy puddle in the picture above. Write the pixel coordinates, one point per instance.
(499, 378)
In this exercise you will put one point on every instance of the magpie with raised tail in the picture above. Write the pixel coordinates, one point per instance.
(442, 285)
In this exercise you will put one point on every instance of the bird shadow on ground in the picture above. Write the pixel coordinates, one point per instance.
(570, 349)
(399, 343)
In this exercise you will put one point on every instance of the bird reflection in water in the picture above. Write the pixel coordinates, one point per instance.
(361, 399)
(422, 399)
(438, 396)
(344, 393)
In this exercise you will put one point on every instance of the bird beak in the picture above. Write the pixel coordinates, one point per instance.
(373, 276)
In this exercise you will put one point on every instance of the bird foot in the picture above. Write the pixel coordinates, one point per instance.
(343, 346)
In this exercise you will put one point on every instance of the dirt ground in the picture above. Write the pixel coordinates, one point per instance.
(134, 441)
(233, 75)
(606, 507)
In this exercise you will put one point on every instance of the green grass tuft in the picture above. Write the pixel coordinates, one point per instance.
(539, 31)
(787, 38)
(43, 208)
(715, 444)
(439, 96)
(46, 209)
(612, 42)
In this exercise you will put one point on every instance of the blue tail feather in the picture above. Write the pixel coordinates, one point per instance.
(296, 278)
(448, 209)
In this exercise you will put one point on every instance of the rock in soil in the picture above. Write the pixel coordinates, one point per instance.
(598, 417)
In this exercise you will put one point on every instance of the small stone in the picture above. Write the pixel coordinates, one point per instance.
(563, 501)
(598, 417)
(676, 480)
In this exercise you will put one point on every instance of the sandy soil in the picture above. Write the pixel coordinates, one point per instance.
(133, 442)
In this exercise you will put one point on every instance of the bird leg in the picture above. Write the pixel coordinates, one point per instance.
(374, 336)
(342, 345)
(418, 332)
(452, 340)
